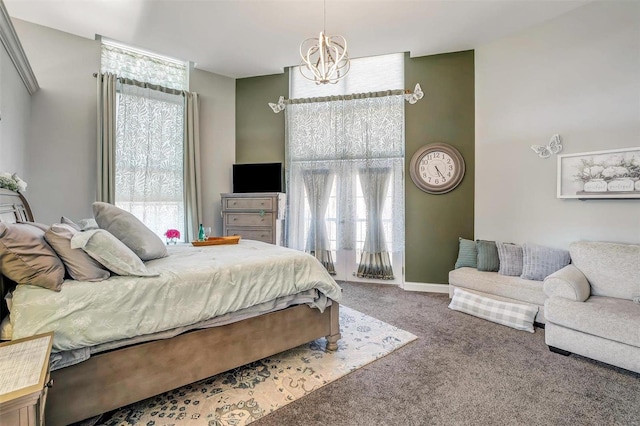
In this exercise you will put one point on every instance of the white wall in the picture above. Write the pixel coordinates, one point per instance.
(15, 112)
(62, 142)
(217, 140)
(61, 153)
(579, 76)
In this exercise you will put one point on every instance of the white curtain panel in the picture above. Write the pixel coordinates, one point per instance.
(318, 184)
(375, 261)
(345, 137)
(149, 156)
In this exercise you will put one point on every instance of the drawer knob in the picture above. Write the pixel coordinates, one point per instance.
(235, 218)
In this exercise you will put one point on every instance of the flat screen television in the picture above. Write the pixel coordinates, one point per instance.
(257, 177)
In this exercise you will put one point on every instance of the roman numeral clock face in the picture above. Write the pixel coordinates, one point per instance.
(437, 168)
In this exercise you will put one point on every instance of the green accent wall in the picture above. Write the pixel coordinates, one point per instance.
(445, 114)
(259, 131)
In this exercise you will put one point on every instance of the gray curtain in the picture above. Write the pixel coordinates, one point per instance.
(375, 261)
(192, 184)
(106, 85)
(318, 185)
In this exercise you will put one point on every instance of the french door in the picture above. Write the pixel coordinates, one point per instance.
(346, 257)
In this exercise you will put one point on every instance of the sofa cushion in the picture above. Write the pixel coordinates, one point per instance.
(467, 254)
(612, 269)
(488, 259)
(606, 317)
(510, 256)
(518, 316)
(538, 262)
(516, 288)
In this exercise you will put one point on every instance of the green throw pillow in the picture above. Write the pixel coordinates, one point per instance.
(467, 254)
(488, 259)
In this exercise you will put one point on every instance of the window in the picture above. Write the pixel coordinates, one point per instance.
(149, 128)
(338, 151)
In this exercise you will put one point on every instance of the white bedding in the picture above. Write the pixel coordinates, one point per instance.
(195, 284)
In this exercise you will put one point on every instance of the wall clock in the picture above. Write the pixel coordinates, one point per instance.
(437, 168)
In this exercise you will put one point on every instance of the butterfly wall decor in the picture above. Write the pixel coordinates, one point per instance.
(553, 147)
(414, 97)
(279, 106)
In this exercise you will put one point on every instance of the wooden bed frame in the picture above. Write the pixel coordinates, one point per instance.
(119, 377)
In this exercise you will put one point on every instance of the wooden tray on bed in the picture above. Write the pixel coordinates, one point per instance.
(214, 241)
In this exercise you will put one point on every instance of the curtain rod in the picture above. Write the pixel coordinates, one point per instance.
(411, 97)
(144, 85)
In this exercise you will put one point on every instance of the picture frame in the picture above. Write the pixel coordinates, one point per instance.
(610, 174)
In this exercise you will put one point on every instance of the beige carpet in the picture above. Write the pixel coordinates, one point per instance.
(240, 396)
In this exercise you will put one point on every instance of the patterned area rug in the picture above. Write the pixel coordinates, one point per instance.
(240, 396)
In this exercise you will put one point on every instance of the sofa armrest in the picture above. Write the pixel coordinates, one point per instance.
(569, 282)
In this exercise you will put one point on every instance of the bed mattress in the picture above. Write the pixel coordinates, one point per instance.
(195, 284)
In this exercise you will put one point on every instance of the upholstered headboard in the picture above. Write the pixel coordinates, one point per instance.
(13, 208)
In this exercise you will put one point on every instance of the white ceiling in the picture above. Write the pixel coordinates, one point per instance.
(243, 38)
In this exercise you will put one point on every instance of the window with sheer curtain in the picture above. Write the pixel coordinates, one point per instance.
(345, 162)
(149, 136)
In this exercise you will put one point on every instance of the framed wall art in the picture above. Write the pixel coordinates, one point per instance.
(600, 174)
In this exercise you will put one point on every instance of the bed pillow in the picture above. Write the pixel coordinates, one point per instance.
(80, 266)
(26, 257)
(487, 256)
(82, 225)
(66, 221)
(128, 229)
(538, 262)
(510, 259)
(110, 252)
(467, 254)
(6, 329)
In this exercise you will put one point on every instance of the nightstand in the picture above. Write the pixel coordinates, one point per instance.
(24, 380)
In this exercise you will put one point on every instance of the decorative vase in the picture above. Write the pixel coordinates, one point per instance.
(595, 185)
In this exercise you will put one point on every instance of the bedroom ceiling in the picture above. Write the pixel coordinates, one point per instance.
(243, 38)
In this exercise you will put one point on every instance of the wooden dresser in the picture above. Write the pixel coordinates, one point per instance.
(254, 216)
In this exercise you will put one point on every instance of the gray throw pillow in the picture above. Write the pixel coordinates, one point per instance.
(467, 254)
(26, 258)
(487, 256)
(80, 266)
(110, 252)
(538, 262)
(130, 230)
(510, 259)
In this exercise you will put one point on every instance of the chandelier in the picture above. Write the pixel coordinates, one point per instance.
(325, 59)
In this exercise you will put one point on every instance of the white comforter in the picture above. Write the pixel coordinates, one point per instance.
(195, 284)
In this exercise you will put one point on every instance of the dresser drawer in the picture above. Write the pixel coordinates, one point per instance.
(248, 219)
(265, 235)
(248, 204)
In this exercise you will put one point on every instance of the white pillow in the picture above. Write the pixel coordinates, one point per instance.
(110, 252)
(128, 229)
(80, 266)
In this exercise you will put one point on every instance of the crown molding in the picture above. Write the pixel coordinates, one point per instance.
(12, 44)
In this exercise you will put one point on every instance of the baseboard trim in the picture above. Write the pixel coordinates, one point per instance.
(426, 287)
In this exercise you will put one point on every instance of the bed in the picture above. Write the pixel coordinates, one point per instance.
(124, 369)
